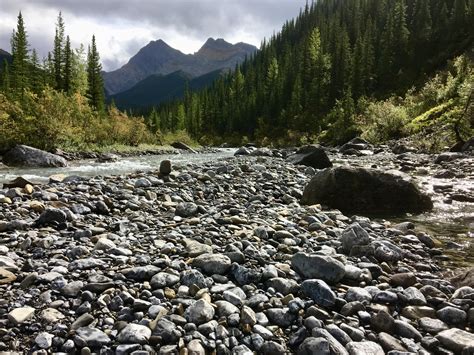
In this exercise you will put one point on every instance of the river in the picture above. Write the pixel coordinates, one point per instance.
(451, 222)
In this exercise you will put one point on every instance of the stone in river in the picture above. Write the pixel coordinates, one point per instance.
(311, 155)
(358, 190)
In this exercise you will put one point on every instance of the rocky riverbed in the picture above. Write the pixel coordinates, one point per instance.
(221, 257)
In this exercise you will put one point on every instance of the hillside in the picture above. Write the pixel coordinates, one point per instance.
(4, 55)
(314, 78)
(156, 89)
(158, 58)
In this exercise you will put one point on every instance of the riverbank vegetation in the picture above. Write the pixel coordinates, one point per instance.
(380, 69)
(60, 103)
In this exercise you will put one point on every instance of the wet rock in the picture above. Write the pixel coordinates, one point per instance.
(311, 155)
(22, 155)
(182, 146)
(313, 266)
(357, 190)
(165, 167)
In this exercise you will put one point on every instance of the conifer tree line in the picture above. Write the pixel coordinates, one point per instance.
(313, 74)
(58, 102)
(64, 69)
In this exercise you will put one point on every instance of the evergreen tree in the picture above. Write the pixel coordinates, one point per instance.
(20, 64)
(68, 63)
(48, 71)
(58, 53)
(95, 84)
(5, 77)
(35, 73)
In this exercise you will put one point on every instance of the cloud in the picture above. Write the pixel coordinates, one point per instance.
(123, 27)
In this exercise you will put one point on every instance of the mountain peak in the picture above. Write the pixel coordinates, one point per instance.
(221, 50)
(212, 44)
(157, 57)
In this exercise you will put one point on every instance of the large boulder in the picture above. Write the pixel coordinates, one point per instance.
(310, 155)
(359, 190)
(23, 155)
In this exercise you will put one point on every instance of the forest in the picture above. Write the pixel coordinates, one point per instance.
(341, 69)
(382, 69)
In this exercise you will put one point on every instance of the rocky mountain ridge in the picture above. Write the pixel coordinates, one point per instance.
(159, 58)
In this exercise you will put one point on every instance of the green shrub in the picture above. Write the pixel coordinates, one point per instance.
(383, 121)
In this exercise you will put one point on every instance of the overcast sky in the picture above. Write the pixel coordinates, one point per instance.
(122, 27)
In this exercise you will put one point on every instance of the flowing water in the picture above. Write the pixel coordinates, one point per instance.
(450, 222)
(122, 166)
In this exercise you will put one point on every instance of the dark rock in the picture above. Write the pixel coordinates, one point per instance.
(319, 292)
(165, 167)
(456, 339)
(314, 266)
(20, 182)
(311, 155)
(52, 216)
(358, 190)
(182, 146)
(23, 155)
(314, 346)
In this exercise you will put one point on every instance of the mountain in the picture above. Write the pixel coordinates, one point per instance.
(157, 57)
(158, 88)
(4, 55)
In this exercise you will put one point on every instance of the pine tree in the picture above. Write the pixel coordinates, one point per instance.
(20, 65)
(68, 63)
(5, 77)
(35, 73)
(48, 71)
(95, 88)
(58, 54)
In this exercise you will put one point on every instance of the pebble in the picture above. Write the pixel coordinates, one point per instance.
(218, 257)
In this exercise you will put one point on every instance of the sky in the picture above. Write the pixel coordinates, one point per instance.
(122, 27)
